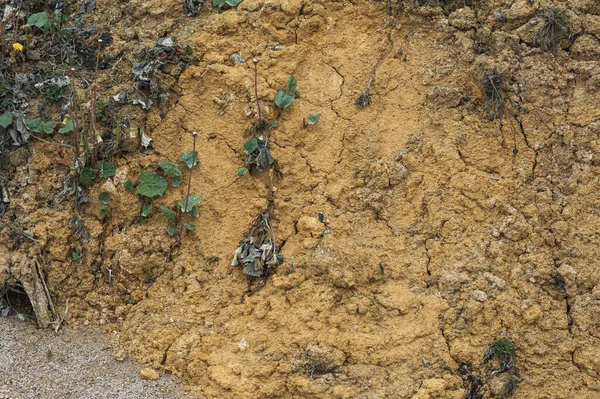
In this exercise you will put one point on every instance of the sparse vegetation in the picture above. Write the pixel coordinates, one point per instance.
(494, 104)
(555, 27)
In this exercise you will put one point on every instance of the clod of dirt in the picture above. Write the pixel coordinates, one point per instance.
(149, 374)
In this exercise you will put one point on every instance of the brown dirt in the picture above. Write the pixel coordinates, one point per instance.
(443, 229)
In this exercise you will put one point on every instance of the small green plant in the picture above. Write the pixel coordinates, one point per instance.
(286, 96)
(555, 27)
(311, 120)
(76, 254)
(225, 3)
(242, 171)
(53, 93)
(49, 354)
(104, 199)
(503, 350)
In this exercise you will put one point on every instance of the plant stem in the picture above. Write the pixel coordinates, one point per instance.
(256, 90)
(189, 187)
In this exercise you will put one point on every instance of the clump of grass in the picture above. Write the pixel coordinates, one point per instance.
(503, 350)
(492, 93)
(555, 27)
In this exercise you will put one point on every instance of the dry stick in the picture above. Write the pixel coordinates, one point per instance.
(75, 138)
(189, 186)
(15, 229)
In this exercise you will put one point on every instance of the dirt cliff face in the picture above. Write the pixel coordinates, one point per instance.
(416, 230)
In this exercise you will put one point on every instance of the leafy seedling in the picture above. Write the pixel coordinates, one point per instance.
(503, 350)
(286, 96)
(311, 120)
(555, 27)
(106, 170)
(151, 184)
(258, 155)
(76, 254)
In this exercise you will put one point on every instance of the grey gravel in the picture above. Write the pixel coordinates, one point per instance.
(71, 364)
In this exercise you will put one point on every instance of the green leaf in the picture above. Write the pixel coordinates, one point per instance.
(189, 158)
(284, 99)
(221, 3)
(250, 146)
(128, 185)
(38, 125)
(106, 170)
(190, 227)
(48, 127)
(176, 181)
(69, 127)
(143, 221)
(103, 209)
(172, 231)
(242, 171)
(6, 119)
(170, 168)
(104, 197)
(169, 214)
(38, 20)
(76, 254)
(152, 184)
(313, 118)
(292, 84)
(146, 211)
(275, 124)
(87, 176)
(192, 201)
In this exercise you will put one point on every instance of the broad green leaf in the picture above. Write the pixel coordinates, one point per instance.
(128, 185)
(87, 176)
(190, 227)
(192, 201)
(250, 146)
(146, 211)
(284, 99)
(189, 158)
(242, 171)
(6, 119)
(292, 84)
(69, 127)
(176, 181)
(151, 184)
(39, 20)
(35, 125)
(313, 118)
(48, 127)
(103, 209)
(172, 231)
(106, 170)
(169, 214)
(170, 168)
(104, 197)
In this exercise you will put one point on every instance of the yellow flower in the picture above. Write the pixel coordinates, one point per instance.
(17, 47)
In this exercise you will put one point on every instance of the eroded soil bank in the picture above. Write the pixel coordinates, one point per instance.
(441, 229)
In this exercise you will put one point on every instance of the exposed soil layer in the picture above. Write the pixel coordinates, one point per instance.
(441, 229)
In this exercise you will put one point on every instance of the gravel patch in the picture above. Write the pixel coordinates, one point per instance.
(71, 364)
